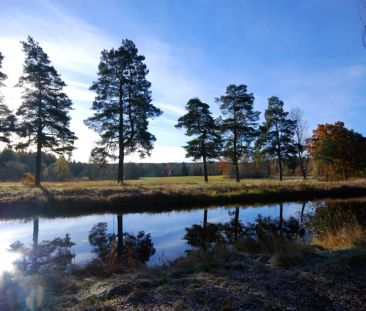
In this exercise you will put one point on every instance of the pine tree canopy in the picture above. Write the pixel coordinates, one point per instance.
(123, 102)
(44, 112)
(122, 105)
(199, 123)
(277, 131)
(7, 119)
(240, 121)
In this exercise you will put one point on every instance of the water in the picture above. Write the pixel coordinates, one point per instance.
(167, 229)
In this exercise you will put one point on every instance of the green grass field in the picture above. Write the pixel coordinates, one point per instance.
(154, 181)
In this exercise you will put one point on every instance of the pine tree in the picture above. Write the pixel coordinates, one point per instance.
(277, 133)
(122, 106)
(199, 123)
(7, 119)
(45, 108)
(240, 123)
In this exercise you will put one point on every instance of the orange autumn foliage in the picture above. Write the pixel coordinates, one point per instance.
(338, 150)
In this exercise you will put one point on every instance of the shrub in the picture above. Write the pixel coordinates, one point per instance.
(28, 179)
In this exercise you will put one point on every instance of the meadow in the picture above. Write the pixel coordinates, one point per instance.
(163, 193)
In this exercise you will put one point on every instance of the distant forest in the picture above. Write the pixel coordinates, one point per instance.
(13, 166)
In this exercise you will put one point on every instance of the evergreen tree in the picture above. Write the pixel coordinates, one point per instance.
(240, 123)
(199, 123)
(122, 106)
(277, 132)
(7, 119)
(45, 108)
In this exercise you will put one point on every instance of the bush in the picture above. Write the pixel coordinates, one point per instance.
(28, 179)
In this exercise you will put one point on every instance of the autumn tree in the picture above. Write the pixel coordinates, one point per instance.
(224, 167)
(239, 124)
(122, 106)
(300, 127)
(338, 150)
(7, 119)
(200, 124)
(277, 131)
(44, 112)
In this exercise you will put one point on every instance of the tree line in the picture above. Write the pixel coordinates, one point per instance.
(123, 107)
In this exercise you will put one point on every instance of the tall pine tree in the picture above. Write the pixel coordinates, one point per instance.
(122, 106)
(239, 124)
(199, 123)
(44, 111)
(277, 133)
(7, 119)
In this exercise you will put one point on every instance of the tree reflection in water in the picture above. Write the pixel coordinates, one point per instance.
(47, 255)
(208, 235)
(123, 247)
(55, 255)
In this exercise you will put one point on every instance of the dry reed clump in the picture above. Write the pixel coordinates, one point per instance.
(27, 179)
(346, 237)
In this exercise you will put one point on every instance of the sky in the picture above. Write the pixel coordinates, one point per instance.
(307, 52)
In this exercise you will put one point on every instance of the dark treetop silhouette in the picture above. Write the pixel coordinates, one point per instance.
(122, 106)
(277, 132)
(7, 119)
(239, 125)
(198, 122)
(45, 108)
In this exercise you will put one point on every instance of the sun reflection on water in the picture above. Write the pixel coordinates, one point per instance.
(7, 259)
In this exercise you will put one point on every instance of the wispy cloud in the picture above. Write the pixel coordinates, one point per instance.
(325, 95)
(74, 48)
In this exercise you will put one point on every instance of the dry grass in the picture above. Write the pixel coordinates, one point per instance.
(346, 237)
(160, 194)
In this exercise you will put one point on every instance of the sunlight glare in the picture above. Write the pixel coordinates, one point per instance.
(7, 259)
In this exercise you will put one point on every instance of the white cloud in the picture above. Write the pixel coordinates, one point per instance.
(171, 108)
(162, 154)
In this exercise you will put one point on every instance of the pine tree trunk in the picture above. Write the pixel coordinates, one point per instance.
(280, 165)
(236, 224)
(302, 213)
(237, 176)
(204, 227)
(35, 243)
(204, 159)
(120, 164)
(35, 232)
(281, 219)
(205, 171)
(38, 164)
(121, 155)
(119, 236)
(279, 152)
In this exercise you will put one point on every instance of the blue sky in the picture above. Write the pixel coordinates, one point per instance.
(309, 53)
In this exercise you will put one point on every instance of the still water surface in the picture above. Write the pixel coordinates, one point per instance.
(167, 229)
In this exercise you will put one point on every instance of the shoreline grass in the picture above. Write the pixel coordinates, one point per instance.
(162, 194)
(300, 278)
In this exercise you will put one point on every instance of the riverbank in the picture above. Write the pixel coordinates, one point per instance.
(78, 198)
(300, 278)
